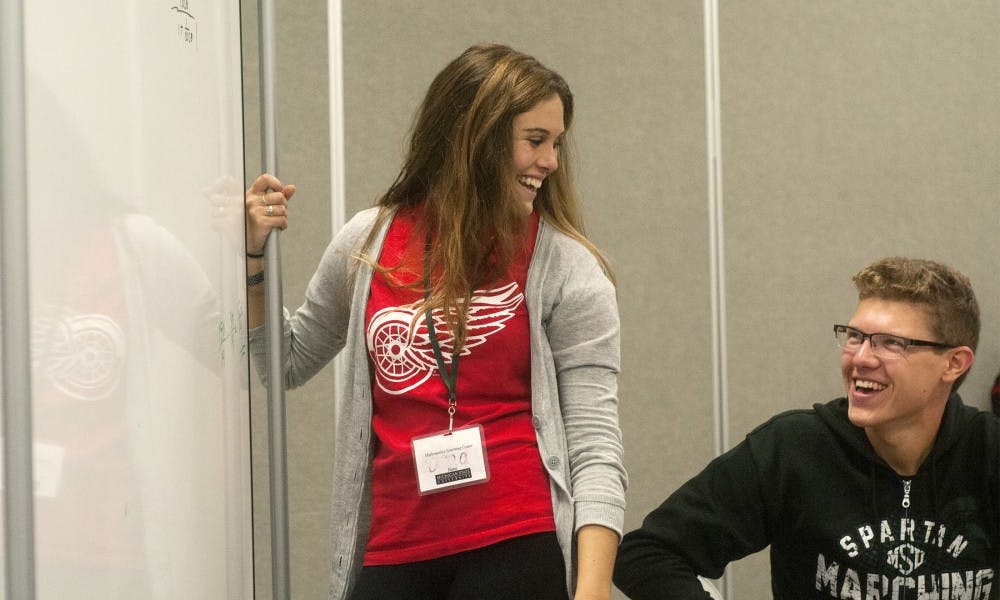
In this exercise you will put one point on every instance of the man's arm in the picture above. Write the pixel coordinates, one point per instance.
(715, 518)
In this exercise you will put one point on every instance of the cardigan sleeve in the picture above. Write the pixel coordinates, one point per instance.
(317, 330)
(583, 334)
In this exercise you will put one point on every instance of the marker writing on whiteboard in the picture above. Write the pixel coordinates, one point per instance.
(187, 26)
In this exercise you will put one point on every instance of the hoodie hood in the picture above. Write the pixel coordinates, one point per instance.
(955, 419)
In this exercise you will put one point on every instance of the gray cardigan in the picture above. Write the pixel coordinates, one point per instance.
(573, 320)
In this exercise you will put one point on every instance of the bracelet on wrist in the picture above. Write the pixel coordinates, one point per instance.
(251, 255)
(255, 279)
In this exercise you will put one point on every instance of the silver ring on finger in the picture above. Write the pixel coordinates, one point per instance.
(270, 211)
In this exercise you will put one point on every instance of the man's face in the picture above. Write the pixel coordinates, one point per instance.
(900, 395)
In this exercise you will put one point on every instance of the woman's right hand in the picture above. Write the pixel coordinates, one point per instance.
(266, 209)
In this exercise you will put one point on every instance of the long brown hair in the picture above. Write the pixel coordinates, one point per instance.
(459, 166)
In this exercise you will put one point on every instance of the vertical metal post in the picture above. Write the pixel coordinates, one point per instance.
(19, 520)
(334, 28)
(713, 132)
(273, 319)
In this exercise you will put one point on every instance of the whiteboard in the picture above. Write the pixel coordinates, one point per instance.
(138, 330)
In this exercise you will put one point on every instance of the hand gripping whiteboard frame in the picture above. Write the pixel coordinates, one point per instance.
(273, 320)
(19, 529)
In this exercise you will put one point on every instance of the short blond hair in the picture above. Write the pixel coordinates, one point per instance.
(945, 292)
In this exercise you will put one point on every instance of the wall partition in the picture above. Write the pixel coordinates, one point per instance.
(137, 304)
(847, 131)
(851, 131)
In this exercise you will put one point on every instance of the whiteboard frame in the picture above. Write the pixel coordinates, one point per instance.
(19, 530)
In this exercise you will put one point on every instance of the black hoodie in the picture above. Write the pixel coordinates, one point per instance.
(840, 522)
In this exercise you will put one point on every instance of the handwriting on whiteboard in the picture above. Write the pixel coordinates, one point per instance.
(187, 24)
(232, 335)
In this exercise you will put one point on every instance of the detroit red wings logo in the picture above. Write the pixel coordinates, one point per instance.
(82, 356)
(403, 355)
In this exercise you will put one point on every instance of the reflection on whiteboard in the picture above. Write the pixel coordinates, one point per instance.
(139, 372)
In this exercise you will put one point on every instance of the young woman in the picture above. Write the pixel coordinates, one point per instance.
(478, 453)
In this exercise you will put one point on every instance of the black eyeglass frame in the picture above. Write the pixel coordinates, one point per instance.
(868, 336)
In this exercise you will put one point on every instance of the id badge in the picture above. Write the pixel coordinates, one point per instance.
(448, 460)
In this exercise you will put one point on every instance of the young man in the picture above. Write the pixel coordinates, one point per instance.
(891, 492)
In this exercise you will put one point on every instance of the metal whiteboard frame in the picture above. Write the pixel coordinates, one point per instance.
(19, 530)
(274, 317)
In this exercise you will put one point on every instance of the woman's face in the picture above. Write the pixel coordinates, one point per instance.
(537, 137)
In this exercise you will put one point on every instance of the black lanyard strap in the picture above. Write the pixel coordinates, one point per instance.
(450, 378)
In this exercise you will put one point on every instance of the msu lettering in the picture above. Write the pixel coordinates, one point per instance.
(908, 530)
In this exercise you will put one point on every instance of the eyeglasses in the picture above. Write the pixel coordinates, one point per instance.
(884, 345)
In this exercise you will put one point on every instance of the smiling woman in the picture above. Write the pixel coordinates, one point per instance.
(537, 138)
(475, 252)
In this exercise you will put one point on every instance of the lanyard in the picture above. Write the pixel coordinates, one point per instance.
(450, 378)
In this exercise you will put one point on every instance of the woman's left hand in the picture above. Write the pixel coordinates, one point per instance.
(266, 209)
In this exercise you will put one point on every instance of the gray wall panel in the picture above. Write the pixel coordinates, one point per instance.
(851, 131)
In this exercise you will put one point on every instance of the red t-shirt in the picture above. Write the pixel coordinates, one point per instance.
(410, 400)
(87, 510)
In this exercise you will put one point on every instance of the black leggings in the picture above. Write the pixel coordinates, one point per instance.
(526, 567)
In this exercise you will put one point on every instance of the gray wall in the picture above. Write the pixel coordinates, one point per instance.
(850, 131)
